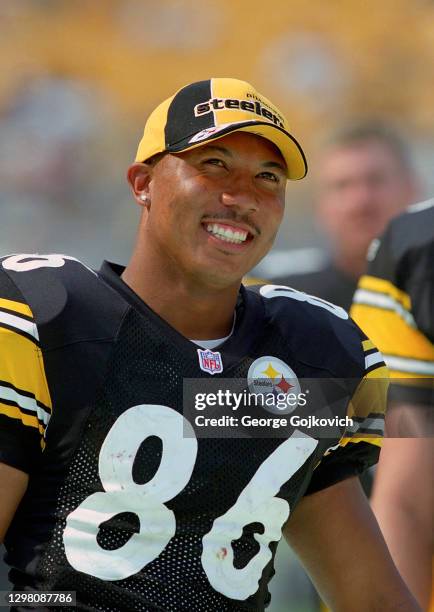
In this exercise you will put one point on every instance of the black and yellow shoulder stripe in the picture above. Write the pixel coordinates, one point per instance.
(384, 313)
(24, 393)
(367, 407)
(254, 280)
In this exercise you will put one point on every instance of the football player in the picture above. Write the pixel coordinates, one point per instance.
(107, 490)
(395, 306)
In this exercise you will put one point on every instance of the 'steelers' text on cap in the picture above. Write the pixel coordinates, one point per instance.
(208, 110)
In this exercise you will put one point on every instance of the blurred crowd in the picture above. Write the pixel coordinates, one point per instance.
(77, 83)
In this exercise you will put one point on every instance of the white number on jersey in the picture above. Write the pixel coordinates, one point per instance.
(272, 291)
(256, 503)
(34, 261)
(122, 494)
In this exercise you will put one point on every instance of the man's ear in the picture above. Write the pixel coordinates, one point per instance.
(139, 176)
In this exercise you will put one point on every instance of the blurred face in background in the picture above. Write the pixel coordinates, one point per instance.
(361, 186)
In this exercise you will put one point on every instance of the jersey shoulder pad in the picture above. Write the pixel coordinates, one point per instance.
(300, 301)
(414, 229)
(405, 238)
(319, 332)
(68, 301)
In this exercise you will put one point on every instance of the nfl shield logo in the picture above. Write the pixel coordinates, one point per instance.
(210, 361)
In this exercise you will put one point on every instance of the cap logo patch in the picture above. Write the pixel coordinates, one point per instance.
(208, 132)
(255, 107)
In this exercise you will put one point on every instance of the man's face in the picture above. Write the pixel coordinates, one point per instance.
(361, 187)
(215, 210)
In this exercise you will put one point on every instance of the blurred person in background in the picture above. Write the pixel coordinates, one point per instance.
(394, 305)
(364, 177)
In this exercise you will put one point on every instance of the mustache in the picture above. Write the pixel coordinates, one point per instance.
(232, 216)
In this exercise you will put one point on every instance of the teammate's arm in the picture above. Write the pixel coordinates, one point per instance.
(13, 485)
(394, 306)
(25, 404)
(403, 502)
(338, 540)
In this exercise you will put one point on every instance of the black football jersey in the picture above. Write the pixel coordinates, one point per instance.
(122, 506)
(394, 303)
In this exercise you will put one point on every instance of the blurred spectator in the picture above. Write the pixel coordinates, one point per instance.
(364, 177)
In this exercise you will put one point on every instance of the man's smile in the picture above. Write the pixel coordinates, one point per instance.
(231, 234)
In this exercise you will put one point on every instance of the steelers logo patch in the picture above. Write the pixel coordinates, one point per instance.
(276, 382)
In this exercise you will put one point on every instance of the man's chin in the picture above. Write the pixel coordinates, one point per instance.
(224, 271)
(217, 280)
(217, 276)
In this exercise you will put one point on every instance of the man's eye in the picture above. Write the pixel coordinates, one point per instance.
(215, 162)
(270, 176)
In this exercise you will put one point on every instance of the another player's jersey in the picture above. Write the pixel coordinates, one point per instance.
(394, 303)
(126, 505)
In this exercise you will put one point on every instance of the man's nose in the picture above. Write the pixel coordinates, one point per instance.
(240, 194)
(361, 196)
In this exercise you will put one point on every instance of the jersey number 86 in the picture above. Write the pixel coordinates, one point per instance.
(257, 502)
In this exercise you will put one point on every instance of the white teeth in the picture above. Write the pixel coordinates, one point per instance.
(226, 234)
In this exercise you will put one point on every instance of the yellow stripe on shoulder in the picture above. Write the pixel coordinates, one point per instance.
(411, 379)
(380, 372)
(253, 280)
(15, 413)
(380, 285)
(369, 438)
(18, 307)
(368, 345)
(391, 334)
(373, 439)
(22, 365)
(371, 394)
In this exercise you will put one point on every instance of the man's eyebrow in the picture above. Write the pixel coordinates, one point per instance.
(273, 164)
(266, 164)
(215, 148)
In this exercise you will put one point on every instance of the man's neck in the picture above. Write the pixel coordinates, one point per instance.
(194, 310)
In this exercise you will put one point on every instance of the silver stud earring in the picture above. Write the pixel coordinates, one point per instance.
(144, 198)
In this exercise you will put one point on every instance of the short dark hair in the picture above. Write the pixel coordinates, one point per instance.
(152, 161)
(358, 132)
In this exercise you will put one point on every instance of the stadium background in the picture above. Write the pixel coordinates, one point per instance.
(78, 79)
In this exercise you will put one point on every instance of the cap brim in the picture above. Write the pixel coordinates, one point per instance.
(289, 148)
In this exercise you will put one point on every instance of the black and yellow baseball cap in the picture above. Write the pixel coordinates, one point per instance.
(208, 110)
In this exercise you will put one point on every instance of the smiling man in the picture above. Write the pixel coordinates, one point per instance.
(106, 490)
(217, 210)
